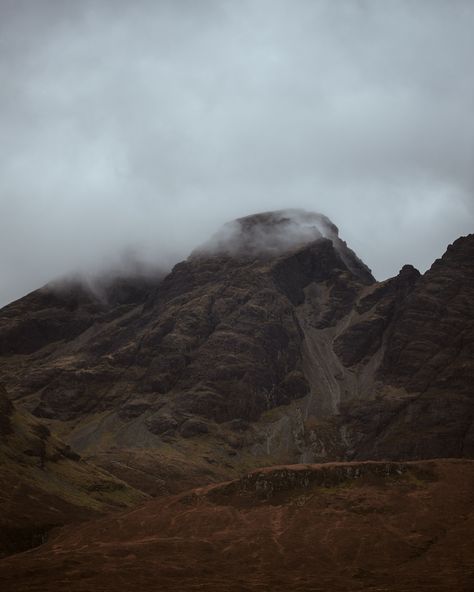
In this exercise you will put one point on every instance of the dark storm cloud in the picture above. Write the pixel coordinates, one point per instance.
(142, 126)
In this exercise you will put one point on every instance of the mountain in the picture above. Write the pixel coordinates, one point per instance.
(272, 344)
(373, 526)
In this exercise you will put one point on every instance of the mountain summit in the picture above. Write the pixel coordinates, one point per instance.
(271, 234)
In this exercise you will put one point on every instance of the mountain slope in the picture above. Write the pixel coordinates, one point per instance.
(45, 484)
(348, 526)
(428, 356)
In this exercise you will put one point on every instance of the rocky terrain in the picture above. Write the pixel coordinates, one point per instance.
(272, 344)
(371, 526)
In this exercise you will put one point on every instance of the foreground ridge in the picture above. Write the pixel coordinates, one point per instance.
(383, 526)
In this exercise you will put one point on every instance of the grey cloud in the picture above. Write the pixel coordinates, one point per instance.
(148, 124)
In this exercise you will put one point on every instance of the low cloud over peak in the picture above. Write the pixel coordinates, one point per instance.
(268, 233)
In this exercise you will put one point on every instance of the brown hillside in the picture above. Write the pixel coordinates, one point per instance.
(385, 526)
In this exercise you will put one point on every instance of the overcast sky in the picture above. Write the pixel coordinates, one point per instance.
(140, 127)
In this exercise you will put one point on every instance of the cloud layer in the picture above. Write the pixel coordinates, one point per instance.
(142, 127)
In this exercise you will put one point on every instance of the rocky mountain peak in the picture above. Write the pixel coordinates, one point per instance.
(269, 234)
(281, 233)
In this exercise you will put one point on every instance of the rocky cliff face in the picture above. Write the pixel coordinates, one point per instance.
(426, 371)
(271, 343)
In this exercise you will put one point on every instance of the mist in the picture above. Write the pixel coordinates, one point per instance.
(132, 131)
